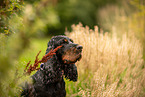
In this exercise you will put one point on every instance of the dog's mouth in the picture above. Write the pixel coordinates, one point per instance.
(68, 59)
(72, 56)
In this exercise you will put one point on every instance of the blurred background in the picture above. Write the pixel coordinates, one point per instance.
(51, 17)
(27, 25)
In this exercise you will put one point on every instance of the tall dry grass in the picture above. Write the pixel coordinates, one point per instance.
(128, 18)
(110, 66)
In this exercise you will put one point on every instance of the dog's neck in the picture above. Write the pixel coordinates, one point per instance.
(52, 70)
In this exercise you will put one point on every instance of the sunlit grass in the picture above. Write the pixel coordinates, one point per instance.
(111, 66)
(128, 19)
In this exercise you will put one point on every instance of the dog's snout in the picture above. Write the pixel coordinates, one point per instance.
(79, 47)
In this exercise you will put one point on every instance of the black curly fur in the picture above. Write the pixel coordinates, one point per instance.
(48, 80)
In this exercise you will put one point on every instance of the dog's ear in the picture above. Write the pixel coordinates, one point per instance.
(70, 72)
(50, 45)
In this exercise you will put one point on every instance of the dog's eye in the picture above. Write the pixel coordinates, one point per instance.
(71, 40)
(65, 41)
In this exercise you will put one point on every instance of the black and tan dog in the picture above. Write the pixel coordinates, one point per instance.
(48, 80)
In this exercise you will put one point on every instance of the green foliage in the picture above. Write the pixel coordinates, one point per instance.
(51, 16)
(13, 58)
(19, 23)
(11, 48)
(75, 11)
(8, 8)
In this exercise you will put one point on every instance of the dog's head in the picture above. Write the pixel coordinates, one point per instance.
(69, 53)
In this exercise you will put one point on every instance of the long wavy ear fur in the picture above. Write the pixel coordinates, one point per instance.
(70, 72)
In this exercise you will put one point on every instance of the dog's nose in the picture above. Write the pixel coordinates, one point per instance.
(79, 47)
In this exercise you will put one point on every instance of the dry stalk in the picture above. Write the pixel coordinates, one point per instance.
(29, 67)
